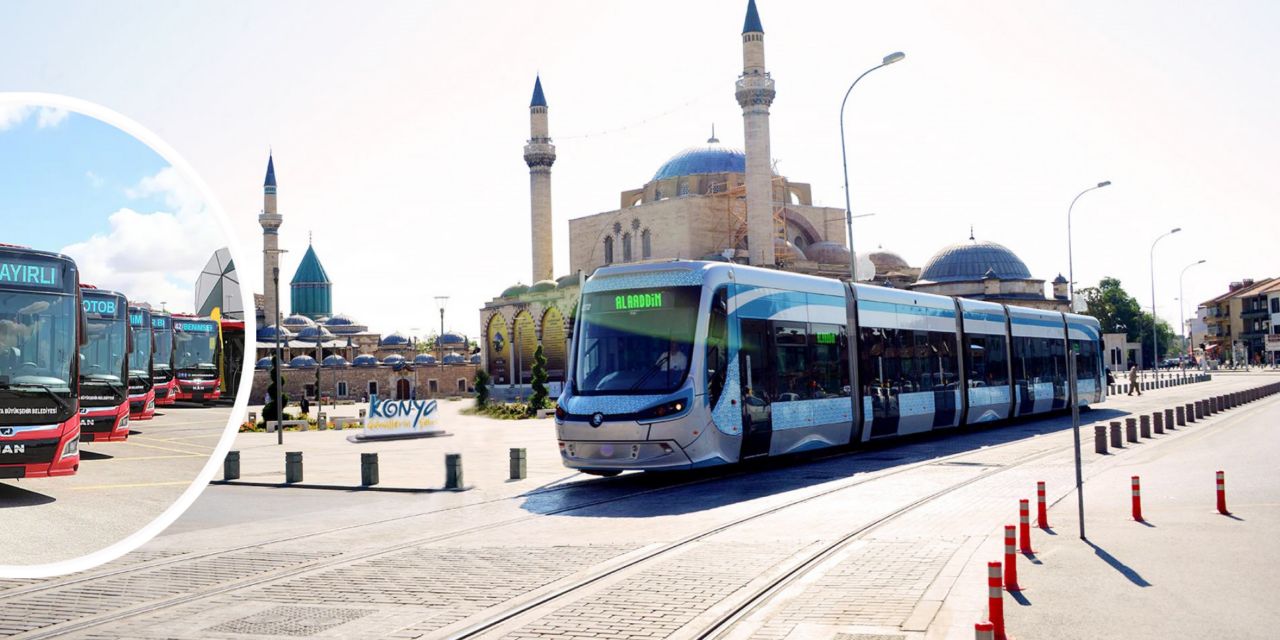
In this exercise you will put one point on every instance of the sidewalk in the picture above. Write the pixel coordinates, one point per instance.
(1187, 572)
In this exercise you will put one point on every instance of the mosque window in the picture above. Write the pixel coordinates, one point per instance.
(626, 247)
(608, 250)
(646, 244)
(683, 188)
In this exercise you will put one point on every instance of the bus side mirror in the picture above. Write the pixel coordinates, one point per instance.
(82, 325)
(128, 338)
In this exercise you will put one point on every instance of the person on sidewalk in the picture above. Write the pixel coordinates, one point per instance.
(305, 406)
(1133, 380)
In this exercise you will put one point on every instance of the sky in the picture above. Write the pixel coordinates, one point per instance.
(398, 128)
(76, 185)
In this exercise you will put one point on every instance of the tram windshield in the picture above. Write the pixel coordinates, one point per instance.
(637, 341)
(195, 344)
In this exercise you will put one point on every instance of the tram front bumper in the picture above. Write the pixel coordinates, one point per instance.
(623, 455)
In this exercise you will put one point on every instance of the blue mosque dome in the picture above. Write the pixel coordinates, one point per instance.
(710, 158)
(334, 360)
(296, 322)
(393, 359)
(365, 360)
(302, 362)
(394, 340)
(453, 358)
(310, 288)
(475, 358)
(264, 363)
(452, 338)
(972, 260)
(315, 334)
(268, 333)
(424, 358)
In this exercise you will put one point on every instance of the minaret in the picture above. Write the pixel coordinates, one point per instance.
(540, 154)
(755, 94)
(270, 221)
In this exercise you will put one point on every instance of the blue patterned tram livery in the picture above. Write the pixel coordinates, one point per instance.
(688, 364)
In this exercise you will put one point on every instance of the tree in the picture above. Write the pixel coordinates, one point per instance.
(539, 398)
(1119, 312)
(276, 397)
(482, 388)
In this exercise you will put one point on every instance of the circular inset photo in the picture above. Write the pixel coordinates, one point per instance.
(122, 335)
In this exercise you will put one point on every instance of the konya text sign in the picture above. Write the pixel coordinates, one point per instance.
(391, 417)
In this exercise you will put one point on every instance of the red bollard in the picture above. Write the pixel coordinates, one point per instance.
(1137, 500)
(1042, 512)
(1024, 526)
(995, 599)
(1010, 561)
(1222, 494)
(984, 631)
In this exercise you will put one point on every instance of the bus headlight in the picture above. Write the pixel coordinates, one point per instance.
(71, 448)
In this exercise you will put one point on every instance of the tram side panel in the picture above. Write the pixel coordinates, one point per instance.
(986, 360)
(1085, 335)
(1039, 360)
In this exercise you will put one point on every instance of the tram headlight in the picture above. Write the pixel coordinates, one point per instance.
(560, 413)
(664, 410)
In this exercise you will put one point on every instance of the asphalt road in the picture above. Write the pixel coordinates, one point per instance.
(120, 487)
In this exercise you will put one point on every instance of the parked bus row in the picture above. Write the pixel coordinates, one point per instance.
(77, 363)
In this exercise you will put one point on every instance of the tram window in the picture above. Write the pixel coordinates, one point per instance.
(717, 344)
(829, 358)
(987, 361)
(790, 342)
(942, 359)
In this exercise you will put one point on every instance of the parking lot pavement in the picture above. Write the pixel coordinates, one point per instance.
(120, 487)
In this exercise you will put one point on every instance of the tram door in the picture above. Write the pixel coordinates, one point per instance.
(755, 379)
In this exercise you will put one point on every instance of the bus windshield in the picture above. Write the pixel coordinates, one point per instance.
(37, 345)
(102, 359)
(636, 341)
(140, 356)
(162, 330)
(195, 345)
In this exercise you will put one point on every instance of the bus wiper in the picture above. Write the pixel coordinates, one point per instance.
(34, 385)
(112, 383)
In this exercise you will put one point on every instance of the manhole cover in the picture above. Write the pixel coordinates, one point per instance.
(291, 621)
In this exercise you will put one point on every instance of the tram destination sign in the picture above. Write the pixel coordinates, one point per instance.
(639, 301)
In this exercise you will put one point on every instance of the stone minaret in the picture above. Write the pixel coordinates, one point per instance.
(270, 221)
(755, 94)
(540, 154)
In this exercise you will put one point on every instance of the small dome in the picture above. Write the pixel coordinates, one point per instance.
(365, 360)
(887, 261)
(567, 281)
(393, 359)
(970, 260)
(452, 339)
(394, 339)
(334, 360)
(264, 363)
(515, 290)
(424, 358)
(302, 362)
(709, 158)
(268, 333)
(453, 358)
(784, 250)
(315, 333)
(827, 252)
(322, 319)
(1059, 279)
(339, 320)
(475, 358)
(542, 285)
(296, 322)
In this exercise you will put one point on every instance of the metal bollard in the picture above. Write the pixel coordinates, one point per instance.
(368, 469)
(995, 597)
(292, 467)
(1157, 422)
(1198, 405)
(1116, 439)
(453, 471)
(519, 465)
(253, 417)
(984, 631)
(1131, 429)
(1180, 413)
(1100, 439)
(1145, 425)
(1168, 419)
(231, 466)
(322, 421)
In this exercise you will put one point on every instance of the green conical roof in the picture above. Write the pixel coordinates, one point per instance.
(310, 271)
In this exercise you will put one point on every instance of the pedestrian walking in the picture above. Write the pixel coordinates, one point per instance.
(306, 406)
(1133, 380)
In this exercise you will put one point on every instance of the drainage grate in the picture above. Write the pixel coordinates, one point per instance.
(291, 621)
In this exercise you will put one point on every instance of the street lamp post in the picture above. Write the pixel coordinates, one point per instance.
(275, 280)
(1071, 272)
(1155, 342)
(440, 302)
(844, 158)
(1182, 307)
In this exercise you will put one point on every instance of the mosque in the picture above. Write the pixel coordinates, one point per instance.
(712, 202)
(334, 355)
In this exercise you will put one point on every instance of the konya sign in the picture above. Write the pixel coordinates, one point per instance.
(391, 417)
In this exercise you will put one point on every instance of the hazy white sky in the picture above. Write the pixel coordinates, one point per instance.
(398, 127)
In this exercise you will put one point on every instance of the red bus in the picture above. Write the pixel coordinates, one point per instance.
(40, 330)
(196, 350)
(142, 393)
(104, 366)
(163, 381)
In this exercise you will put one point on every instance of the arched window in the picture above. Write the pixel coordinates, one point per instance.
(608, 250)
(646, 245)
(682, 188)
(626, 247)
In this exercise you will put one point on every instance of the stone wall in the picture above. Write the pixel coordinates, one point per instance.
(432, 381)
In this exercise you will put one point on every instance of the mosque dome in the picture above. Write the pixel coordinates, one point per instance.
(567, 281)
(515, 290)
(295, 322)
(343, 324)
(315, 333)
(393, 359)
(714, 257)
(784, 248)
(542, 285)
(971, 260)
(334, 360)
(827, 252)
(264, 363)
(302, 362)
(452, 338)
(365, 360)
(268, 333)
(709, 158)
(453, 358)
(887, 261)
(424, 358)
(394, 340)
(475, 358)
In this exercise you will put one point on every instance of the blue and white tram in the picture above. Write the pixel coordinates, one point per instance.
(689, 364)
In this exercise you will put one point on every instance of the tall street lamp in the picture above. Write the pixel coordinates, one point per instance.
(440, 302)
(1071, 272)
(1182, 307)
(844, 158)
(1155, 343)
